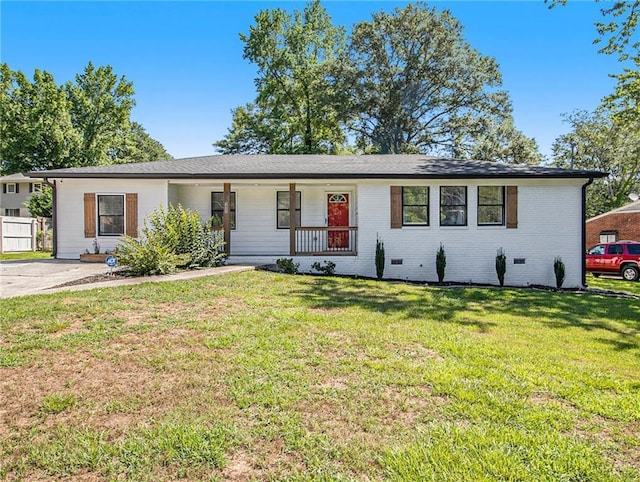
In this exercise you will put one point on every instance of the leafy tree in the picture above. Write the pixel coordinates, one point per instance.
(596, 141)
(297, 109)
(253, 132)
(40, 204)
(415, 84)
(36, 131)
(137, 146)
(47, 126)
(624, 103)
(502, 142)
(618, 29)
(100, 109)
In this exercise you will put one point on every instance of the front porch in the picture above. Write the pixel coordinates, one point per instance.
(276, 218)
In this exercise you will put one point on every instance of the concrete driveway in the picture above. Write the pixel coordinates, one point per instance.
(27, 277)
(31, 277)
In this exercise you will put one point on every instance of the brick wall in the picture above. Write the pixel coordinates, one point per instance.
(627, 225)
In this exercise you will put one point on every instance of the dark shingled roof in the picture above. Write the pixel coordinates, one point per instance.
(315, 167)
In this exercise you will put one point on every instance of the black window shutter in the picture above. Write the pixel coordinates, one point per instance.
(17, 188)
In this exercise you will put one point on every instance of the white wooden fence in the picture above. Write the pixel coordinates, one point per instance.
(17, 234)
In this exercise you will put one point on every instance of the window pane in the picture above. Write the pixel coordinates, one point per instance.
(217, 201)
(111, 205)
(110, 214)
(453, 206)
(490, 214)
(453, 195)
(217, 209)
(111, 224)
(414, 195)
(283, 199)
(414, 215)
(633, 248)
(283, 209)
(453, 217)
(490, 195)
(283, 219)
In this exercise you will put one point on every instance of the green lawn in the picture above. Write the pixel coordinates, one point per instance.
(264, 376)
(25, 255)
(614, 284)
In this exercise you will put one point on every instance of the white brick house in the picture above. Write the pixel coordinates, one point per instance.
(320, 207)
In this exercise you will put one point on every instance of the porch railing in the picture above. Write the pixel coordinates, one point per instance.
(325, 240)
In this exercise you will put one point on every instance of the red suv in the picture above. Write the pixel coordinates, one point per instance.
(620, 258)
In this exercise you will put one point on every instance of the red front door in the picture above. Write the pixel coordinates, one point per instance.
(338, 215)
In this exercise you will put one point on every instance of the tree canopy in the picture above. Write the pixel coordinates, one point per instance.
(597, 142)
(616, 31)
(405, 81)
(44, 125)
(415, 84)
(296, 109)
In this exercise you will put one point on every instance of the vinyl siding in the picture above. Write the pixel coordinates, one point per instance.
(16, 201)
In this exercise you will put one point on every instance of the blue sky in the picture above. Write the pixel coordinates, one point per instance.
(185, 58)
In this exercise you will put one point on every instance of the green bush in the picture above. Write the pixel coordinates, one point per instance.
(379, 258)
(286, 265)
(501, 265)
(441, 263)
(169, 240)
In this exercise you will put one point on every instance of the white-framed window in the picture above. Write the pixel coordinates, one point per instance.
(415, 206)
(217, 209)
(36, 187)
(453, 206)
(110, 214)
(490, 205)
(15, 212)
(282, 208)
(608, 236)
(12, 188)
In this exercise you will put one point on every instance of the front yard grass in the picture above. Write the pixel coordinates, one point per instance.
(25, 255)
(264, 376)
(614, 284)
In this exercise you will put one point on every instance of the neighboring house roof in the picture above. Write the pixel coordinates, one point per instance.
(315, 166)
(633, 207)
(17, 177)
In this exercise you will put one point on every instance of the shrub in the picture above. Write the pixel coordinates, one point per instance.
(171, 239)
(329, 267)
(147, 257)
(379, 258)
(441, 263)
(182, 232)
(558, 269)
(501, 265)
(286, 265)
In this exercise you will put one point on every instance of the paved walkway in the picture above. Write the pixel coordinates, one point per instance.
(29, 277)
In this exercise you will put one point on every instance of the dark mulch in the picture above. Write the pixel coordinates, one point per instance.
(96, 278)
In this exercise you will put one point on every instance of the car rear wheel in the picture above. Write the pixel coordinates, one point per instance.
(630, 272)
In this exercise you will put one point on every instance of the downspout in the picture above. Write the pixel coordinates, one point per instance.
(54, 216)
(584, 230)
